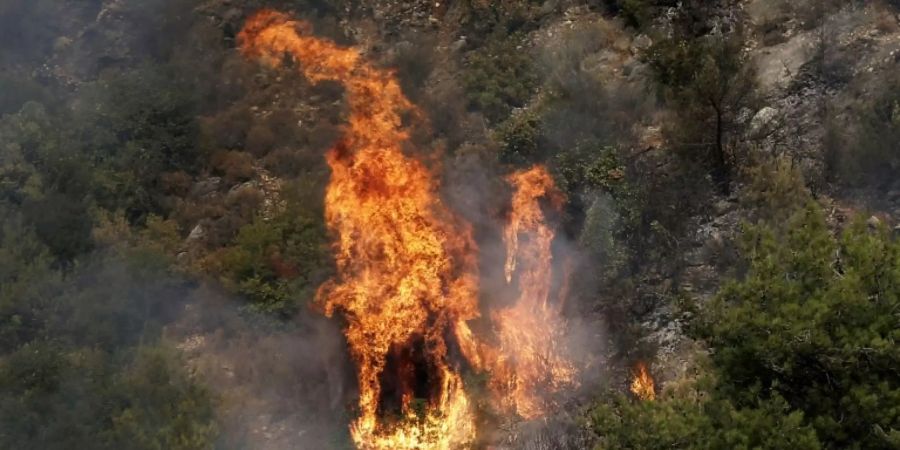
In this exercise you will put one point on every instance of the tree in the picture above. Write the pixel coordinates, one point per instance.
(499, 77)
(82, 364)
(802, 353)
(815, 322)
(707, 80)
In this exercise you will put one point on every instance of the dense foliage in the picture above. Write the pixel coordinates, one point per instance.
(146, 168)
(803, 350)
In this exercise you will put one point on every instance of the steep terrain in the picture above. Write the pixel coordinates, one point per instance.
(139, 130)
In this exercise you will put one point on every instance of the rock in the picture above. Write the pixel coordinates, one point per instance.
(724, 206)
(197, 233)
(873, 222)
(763, 119)
(458, 45)
(641, 43)
(232, 15)
(206, 187)
(548, 7)
(242, 186)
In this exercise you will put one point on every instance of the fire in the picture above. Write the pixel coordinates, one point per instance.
(643, 386)
(529, 365)
(530, 331)
(406, 266)
(407, 276)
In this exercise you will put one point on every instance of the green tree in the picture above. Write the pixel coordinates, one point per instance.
(82, 364)
(691, 418)
(707, 80)
(815, 322)
(875, 157)
(802, 352)
(499, 77)
(277, 261)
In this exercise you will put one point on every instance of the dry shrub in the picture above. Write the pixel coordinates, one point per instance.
(190, 213)
(260, 140)
(445, 106)
(244, 201)
(227, 129)
(886, 22)
(562, 58)
(285, 126)
(176, 183)
(287, 162)
(234, 166)
(322, 135)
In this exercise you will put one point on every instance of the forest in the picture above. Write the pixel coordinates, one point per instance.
(448, 225)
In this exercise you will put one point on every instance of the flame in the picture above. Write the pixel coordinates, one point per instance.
(406, 266)
(643, 386)
(528, 366)
(530, 331)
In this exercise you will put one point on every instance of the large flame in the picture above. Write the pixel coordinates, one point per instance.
(531, 330)
(529, 365)
(642, 386)
(406, 267)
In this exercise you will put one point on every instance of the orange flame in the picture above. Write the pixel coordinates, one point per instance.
(406, 267)
(530, 332)
(643, 386)
(529, 365)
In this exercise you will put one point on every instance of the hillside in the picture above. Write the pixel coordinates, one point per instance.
(478, 224)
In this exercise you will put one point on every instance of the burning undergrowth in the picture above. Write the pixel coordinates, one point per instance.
(407, 282)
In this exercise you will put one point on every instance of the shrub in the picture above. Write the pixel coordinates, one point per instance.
(708, 82)
(802, 350)
(519, 138)
(874, 160)
(775, 190)
(499, 77)
(235, 166)
(260, 139)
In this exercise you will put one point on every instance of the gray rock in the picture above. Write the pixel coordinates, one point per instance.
(458, 45)
(206, 187)
(641, 43)
(763, 119)
(197, 233)
(874, 222)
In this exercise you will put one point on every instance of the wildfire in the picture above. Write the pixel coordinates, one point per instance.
(643, 386)
(529, 364)
(407, 276)
(530, 331)
(406, 267)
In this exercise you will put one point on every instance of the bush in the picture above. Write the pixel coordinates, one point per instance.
(81, 364)
(276, 262)
(499, 77)
(235, 166)
(484, 20)
(802, 351)
(775, 190)
(707, 81)
(874, 160)
(519, 138)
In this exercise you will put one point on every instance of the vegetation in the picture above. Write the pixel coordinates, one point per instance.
(708, 82)
(499, 77)
(802, 350)
(147, 168)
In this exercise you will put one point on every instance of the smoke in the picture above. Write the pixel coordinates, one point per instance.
(279, 385)
(288, 385)
(274, 384)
